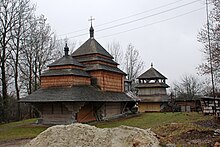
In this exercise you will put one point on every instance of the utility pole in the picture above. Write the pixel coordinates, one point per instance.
(210, 56)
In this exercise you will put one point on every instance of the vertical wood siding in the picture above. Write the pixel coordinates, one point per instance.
(54, 81)
(109, 81)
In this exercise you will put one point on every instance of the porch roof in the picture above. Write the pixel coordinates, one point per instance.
(83, 93)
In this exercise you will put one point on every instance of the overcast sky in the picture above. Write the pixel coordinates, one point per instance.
(167, 34)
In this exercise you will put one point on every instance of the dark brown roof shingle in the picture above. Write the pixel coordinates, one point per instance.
(151, 74)
(83, 93)
(91, 46)
(152, 85)
(66, 60)
(96, 58)
(93, 67)
(59, 72)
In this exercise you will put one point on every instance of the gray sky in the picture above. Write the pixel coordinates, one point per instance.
(171, 45)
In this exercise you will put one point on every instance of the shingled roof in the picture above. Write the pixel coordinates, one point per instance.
(151, 73)
(91, 46)
(57, 72)
(66, 60)
(152, 85)
(104, 67)
(83, 93)
(96, 58)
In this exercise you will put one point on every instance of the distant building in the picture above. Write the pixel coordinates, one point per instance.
(152, 91)
(85, 86)
(188, 104)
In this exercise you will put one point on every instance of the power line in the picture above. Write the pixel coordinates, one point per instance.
(140, 13)
(143, 25)
(125, 17)
(148, 16)
(152, 23)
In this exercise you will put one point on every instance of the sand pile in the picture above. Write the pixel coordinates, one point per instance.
(82, 135)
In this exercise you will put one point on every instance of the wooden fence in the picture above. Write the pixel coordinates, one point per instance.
(209, 107)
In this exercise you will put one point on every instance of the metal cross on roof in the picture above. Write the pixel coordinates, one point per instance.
(91, 19)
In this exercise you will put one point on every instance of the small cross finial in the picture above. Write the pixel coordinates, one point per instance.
(91, 30)
(91, 19)
(151, 64)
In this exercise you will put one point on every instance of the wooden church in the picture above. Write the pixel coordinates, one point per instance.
(82, 87)
(152, 91)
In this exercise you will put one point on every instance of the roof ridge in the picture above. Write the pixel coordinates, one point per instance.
(151, 73)
(91, 46)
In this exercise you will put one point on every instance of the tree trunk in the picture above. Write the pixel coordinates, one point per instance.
(4, 82)
(16, 80)
(35, 74)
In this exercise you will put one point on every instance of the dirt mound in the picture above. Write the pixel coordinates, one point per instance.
(212, 123)
(195, 137)
(78, 135)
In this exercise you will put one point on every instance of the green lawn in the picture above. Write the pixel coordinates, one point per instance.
(20, 130)
(164, 124)
(154, 120)
(170, 127)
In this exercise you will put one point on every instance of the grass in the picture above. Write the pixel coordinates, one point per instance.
(154, 120)
(167, 125)
(170, 127)
(20, 130)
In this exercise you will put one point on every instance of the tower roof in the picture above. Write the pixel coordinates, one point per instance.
(104, 67)
(91, 46)
(152, 73)
(96, 58)
(66, 60)
(62, 72)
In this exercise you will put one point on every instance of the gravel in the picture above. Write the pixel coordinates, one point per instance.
(83, 135)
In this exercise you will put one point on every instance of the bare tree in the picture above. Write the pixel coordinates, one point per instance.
(16, 48)
(27, 45)
(188, 87)
(214, 33)
(133, 63)
(9, 12)
(115, 50)
(39, 50)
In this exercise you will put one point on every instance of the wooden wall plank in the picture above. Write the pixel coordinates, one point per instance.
(64, 81)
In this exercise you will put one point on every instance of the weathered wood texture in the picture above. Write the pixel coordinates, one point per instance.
(86, 114)
(149, 107)
(151, 91)
(109, 81)
(112, 109)
(66, 113)
(66, 67)
(55, 113)
(57, 119)
(54, 81)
